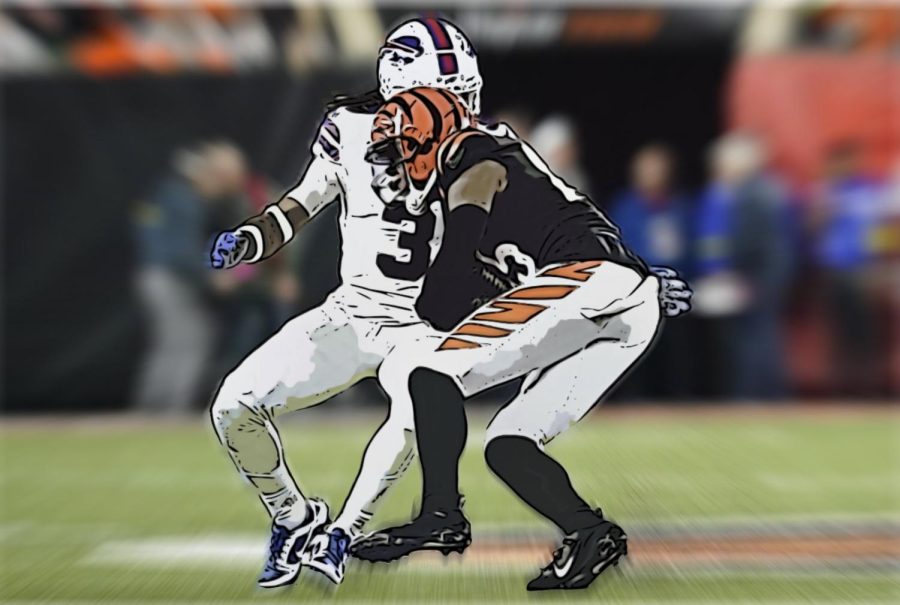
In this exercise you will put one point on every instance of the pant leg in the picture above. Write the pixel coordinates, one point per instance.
(314, 356)
(391, 449)
(180, 340)
(854, 320)
(553, 398)
(508, 339)
(759, 363)
(550, 317)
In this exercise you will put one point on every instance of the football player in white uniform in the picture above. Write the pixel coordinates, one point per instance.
(385, 252)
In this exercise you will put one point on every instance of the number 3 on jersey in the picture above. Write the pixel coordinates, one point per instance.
(414, 243)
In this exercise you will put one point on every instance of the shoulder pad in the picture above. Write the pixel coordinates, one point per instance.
(453, 149)
(327, 144)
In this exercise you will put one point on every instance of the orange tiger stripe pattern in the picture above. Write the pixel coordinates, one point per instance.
(450, 147)
(473, 329)
(579, 270)
(457, 343)
(421, 119)
(507, 310)
(542, 292)
(511, 312)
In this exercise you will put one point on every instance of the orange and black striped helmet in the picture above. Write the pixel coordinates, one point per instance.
(410, 127)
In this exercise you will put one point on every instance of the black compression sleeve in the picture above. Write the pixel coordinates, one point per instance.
(452, 282)
(465, 226)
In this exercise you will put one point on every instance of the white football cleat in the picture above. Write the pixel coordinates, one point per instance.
(286, 545)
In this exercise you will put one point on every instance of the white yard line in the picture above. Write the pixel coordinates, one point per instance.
(244, 551)
(222, 551)
(8, 531)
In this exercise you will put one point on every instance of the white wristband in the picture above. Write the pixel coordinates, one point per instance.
(257, 236)
(287, 231)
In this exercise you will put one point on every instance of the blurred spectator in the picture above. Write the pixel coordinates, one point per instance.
(172, 279)
(845, 219)
(106, 40)
(890, 238)
(281, 271)
(742, 270)
(215, 38)
(258, 297)
(654, 220)
(306, 43)
(555, 140)
(853, 26)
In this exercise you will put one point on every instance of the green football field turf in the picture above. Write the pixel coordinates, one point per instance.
(124, 511)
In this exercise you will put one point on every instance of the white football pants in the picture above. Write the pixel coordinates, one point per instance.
(573, 330)
(311, 358)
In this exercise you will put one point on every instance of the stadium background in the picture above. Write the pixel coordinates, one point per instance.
(786, 491)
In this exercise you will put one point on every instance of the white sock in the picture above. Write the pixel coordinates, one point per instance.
(281, 497)
(285, 508)
(387, 456)
(351, 524)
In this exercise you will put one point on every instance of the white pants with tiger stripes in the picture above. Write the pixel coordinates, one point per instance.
(572, 329)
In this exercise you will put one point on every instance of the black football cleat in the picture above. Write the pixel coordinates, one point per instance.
(582, 557)
(446, 532)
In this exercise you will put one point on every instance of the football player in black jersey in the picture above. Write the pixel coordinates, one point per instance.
(532, 281)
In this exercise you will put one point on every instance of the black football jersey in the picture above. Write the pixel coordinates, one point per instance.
(539, 214)
(535, 221)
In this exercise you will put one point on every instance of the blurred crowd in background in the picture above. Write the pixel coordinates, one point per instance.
(203, 322)
(748, 246)
(219, 36)
(794, 255)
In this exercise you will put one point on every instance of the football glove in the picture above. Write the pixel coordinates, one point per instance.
(229, 250)
(674, 293)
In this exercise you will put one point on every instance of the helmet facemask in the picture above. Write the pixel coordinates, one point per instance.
(407, 132)
(400, 173)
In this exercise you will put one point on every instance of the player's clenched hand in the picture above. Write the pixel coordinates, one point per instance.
(674, 293)
(228, 250)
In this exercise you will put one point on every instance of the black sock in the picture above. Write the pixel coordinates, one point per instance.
(540, 481)
(440, 435)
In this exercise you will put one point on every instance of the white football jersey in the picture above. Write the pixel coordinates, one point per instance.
(385, 251)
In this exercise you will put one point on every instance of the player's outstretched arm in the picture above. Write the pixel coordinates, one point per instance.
(263, 235)
(260, 236)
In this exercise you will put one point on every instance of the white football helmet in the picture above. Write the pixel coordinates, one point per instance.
(430, 52)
